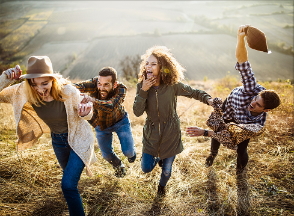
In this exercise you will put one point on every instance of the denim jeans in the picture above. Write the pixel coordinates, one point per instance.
(72, 167)
(148, 163)
(123, 130)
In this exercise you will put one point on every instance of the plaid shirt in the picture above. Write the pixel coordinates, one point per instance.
(106, 112)
(236, 107)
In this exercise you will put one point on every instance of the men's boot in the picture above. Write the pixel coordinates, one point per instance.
(210, 159)
(161, 190)
(118, 166)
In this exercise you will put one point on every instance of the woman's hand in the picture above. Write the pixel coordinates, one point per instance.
(85, 108)
(13, 73)
(195, 131)
(147, 83)
(210, 101)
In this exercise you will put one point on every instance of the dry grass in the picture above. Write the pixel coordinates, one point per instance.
(30, 180)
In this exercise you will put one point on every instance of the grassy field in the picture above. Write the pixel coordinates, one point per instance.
(30, 180)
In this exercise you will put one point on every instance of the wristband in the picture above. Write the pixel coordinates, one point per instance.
(205, 133)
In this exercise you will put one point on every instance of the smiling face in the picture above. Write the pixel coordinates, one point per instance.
(105, 86)
(42, 85)
(152, 67)
(256, 107)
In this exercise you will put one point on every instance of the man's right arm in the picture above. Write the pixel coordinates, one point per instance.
(243, 65)
(88, 86)
(241, 50)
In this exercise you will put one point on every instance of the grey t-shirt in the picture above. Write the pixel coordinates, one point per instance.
(53, 113)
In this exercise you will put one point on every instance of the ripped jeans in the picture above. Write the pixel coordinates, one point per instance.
(148, 163)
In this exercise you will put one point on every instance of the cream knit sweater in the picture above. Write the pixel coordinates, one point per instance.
(30, 127)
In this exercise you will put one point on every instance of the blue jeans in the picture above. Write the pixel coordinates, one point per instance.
(123, 130)
(72, 167)
(148, 163)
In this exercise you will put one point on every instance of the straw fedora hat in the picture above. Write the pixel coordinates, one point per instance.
(39, 66)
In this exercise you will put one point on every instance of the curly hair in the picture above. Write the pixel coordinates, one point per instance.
(171, 71)
(270, 98)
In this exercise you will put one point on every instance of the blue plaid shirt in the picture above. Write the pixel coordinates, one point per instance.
(239, 99)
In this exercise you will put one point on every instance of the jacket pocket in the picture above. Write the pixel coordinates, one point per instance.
(147, 130)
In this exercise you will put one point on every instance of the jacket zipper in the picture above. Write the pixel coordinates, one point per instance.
(158, 118)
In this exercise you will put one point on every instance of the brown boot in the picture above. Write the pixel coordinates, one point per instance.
(209, 160)
(161, 190)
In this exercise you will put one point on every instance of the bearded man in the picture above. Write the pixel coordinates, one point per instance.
(107, 96)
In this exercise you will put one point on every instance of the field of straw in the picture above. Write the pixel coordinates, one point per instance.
(30, 180)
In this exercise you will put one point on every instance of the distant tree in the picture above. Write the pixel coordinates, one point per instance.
(130, 67)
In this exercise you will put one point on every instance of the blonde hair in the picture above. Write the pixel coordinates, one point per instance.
(171, 71)
(56, 91)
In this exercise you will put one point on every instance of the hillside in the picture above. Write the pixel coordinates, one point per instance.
(82, 37)
(30, 180)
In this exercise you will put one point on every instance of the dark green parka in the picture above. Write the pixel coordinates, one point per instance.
(162, 132)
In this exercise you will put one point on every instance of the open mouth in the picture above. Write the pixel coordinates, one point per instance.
(150, 74)
(43, 94)
(250, 106)
(103, 94)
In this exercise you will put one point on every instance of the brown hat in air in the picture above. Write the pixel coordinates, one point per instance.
(256, 39)
(39, 66)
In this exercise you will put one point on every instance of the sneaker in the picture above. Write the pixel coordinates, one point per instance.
(132, 159)
(160, 163)
(161, 190)
(209, 160)
(120, 171)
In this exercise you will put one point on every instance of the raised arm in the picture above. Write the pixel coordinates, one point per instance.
(243, 66)
(241, 50)
(8, 77)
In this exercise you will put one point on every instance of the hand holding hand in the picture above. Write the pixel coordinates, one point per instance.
(210, 101)
(147, 83)
(195, 131)
(85, 108)
(13, 73)
(86, 98)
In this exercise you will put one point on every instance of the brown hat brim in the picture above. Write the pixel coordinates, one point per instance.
(32, 76)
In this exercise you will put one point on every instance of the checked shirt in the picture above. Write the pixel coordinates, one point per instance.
(106, 112)
(236, 107)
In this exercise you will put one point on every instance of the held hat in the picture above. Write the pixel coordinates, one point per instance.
(39, 66)
(256, 39)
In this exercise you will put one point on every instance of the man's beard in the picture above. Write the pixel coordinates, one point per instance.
(110, 94)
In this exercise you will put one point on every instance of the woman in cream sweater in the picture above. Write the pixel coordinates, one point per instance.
(45, 102)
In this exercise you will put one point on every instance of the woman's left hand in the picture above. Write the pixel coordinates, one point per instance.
(210, 101)
(85, 108)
